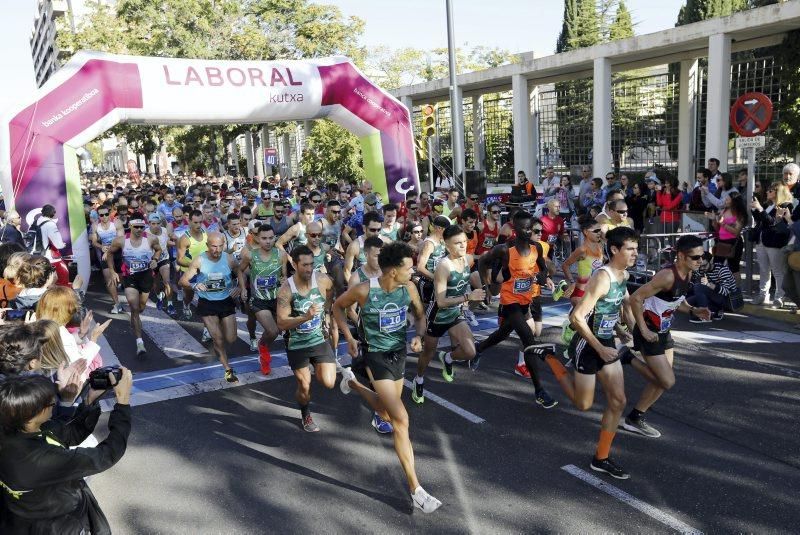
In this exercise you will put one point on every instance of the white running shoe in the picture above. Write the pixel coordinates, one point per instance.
(253, 344)
(347, 376)
(140, 349)
(423, 500)
(206, 337)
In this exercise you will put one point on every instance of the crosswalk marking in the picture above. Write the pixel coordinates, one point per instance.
(168, 334)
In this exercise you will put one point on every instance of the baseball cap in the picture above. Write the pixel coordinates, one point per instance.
(153, 217)
(137, 221)
(653, 178)
(370, 199)
(274, 195)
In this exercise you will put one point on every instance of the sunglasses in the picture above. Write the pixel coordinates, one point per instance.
(313, 234)
(597, 230)
(122, 206)
(473, 199)
(104, 214)
(315, 200)
(336, 211)
(371, 204)
(695, 257)
(412, 207)
(278, 212)
(536, 231)
(137, 227)
(624, 212)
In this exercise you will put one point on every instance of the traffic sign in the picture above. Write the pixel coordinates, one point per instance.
(755, 142)
(751, 114)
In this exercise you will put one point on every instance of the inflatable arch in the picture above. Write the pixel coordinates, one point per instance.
(95, 91)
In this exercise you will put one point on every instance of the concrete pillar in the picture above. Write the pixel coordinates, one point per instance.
(536, 171)
(686, 121)
(601, 129)
(521, 114)
(719, 98)
(286, 157)
(478, 141)
(248, 148)
(408, 103)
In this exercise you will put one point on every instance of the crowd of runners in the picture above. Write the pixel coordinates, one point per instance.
(323, 262)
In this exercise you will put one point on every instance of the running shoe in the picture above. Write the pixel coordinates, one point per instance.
(381, 426)
(418, 392)
(347, 376)
(559, 290)
(544, 399)
(264, 358)
(423, 500)
(697, 319)
(777, 303)
(759, 299)
(541, 350)
(160, 301)
(187, 312)
(469, 316)
(171, 309)
(308, 424)
(117, 309)
(205, 337)
(253, 344)
(140, 350)
(447, 369)
(230, 376)
(640, 427)
(483, 306)
(522, 370)
(475, 362)
(718, 315)
(609, 467)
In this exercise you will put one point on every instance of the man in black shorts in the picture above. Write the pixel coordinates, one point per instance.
(384, 303)
(216, 289)
(139, 259)
(304, 307)
(654, 306)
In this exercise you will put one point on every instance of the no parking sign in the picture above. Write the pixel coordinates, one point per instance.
(751, 114)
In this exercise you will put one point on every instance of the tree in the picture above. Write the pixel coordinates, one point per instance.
(788, 132)
(581, 28)
(332, 153)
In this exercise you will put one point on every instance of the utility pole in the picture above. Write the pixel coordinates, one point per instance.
(456, 119)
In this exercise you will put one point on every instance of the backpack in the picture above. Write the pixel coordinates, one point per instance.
(34, 241)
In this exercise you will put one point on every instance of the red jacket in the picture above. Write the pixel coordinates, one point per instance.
(668, 205)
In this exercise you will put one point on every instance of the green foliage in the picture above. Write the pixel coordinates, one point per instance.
(332, 153)
(788, 57)
(697, 10)
(622, 27)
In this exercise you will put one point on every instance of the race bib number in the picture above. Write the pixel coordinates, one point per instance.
(522, 286)
(266, 283)
(310, 326)
(138, 265)
(666, 323)
(552, 239)
(488, 242)
(215, 282)
(392, 320)
(605, 325)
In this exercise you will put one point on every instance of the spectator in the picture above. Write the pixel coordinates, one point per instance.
(651, 180)
(550, 182)
(20, 346)
(522, 180)
(669, 200)
(729, 226)
(686, 195)
(595, 197)
(11, 233)
(612, 184)
(61, 305)
(771, 237)
(52, 242)
(45, 476)
(625, 185)
(741, 179)
(637, 206)
(584, 187)
(791, 280)
(714, 287)
(34, 278)
(790, 174)
(702, 180)
(563, 194)
(12, 256)
(724, 189)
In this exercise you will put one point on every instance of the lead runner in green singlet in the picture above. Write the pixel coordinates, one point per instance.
(384, 303)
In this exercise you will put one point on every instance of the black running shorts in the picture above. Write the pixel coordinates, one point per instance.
(221, 309)
(651, 349)
(302, 358)
(142, 281)
(587, 361)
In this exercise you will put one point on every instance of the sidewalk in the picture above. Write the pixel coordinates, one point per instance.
(783, 315)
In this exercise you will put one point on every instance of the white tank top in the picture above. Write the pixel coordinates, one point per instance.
(137, 258)
(162, 241)
(106, 235)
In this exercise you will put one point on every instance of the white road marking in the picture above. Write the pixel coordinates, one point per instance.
(475, 419)
(168, 335)
(624, 497)
(107, 353)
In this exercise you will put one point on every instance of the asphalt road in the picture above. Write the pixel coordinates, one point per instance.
(235, 460)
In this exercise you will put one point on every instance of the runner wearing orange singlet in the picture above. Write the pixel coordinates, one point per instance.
(520, 264)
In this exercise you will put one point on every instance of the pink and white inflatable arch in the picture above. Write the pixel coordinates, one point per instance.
(95, 91)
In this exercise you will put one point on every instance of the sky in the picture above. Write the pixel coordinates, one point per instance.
(515, 25)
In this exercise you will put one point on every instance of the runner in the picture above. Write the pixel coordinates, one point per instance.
(266, 271)
(331, 236)
(318, 249)
(355, 255)
(451, 291)
(588, 256)
(518, 264)
(384, 304)
(390, 229)
(191, 245)
(163, 267)
(235, 237)
(303, 306)
(432, 252)
(139, 254)
(102, 236)
(654, 306)
(296, 235)
(595, 319)
(216, 290)
(489, 229)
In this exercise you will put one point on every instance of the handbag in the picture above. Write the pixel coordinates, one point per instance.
(735, 301)
(724, 249)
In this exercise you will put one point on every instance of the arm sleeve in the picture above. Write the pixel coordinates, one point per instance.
(55, 464)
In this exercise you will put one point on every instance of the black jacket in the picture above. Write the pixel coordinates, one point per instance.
(766, 231)
(42, 480)
(10, 234)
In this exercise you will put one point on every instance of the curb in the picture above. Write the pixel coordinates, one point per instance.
(782, 315)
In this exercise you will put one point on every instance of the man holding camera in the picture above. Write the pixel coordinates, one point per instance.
(42, 479)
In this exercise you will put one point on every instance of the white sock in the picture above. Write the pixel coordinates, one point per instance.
(139, 341)
(520, 358)
(447, 358)
(419, 379)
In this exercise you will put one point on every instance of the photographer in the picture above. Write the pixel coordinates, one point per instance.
(42, 479)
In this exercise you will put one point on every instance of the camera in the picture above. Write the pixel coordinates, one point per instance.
(98, 379)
